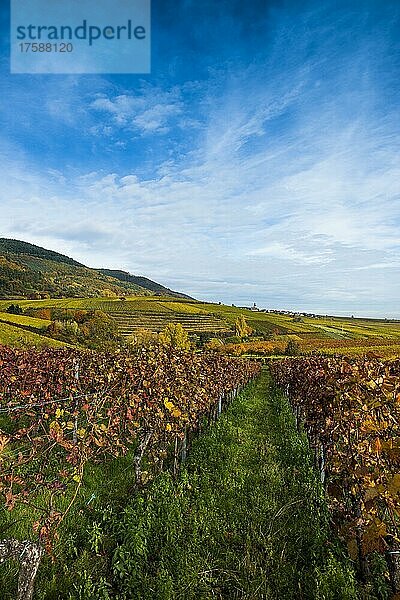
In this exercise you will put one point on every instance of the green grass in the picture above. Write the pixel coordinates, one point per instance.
(39, 324)
(11, 335)
(246, 519)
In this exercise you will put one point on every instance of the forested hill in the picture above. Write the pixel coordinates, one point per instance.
(143, 282)
(17, 247)
(29, 271)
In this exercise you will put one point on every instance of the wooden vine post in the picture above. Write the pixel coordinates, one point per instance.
(393, 562)
(28, 554)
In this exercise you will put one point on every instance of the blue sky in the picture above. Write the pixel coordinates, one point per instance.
(259, 161)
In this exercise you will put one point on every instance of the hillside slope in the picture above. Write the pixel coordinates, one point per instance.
(27, 270)
(144, 282)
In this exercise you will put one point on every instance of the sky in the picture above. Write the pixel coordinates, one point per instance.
(257, 162)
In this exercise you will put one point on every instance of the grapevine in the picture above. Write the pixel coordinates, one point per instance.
(350, 409)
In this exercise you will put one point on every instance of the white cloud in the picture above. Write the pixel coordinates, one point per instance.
(282, 251)
(151, 110)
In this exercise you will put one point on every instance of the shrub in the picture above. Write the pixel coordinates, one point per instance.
(14, 309)
(292, 348)
(214, 344)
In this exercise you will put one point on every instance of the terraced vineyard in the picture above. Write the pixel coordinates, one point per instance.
(129, 322)
(330, 335)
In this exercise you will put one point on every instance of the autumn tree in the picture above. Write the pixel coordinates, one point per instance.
(241, 327)
(174, 335)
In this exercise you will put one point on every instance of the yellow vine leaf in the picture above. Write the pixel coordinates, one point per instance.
(175, 412)
(394, 484)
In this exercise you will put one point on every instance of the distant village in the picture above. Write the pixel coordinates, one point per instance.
(287, 313)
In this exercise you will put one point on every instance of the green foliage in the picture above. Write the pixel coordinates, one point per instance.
(233, 339)
(14, 309)
(292, 348)
(93, 329)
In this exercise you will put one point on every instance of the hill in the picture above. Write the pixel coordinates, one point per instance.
(143, 282)
(27, 270)
(24, 248)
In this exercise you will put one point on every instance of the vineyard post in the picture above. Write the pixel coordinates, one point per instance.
(29, 555)
(184, 447)
(296, 416)
(137, 460)
(393, 562)
(75, 431)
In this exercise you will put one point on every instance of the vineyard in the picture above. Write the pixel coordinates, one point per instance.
(64, 409)
(271, 331)
(350, 410)
(384, 348)
(20, 337)
(129, 323)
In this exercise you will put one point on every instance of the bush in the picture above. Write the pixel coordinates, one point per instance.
(93, 329)
(14, 309)
(214, 344)
(233, 339)
(292, 348)
(143, 337)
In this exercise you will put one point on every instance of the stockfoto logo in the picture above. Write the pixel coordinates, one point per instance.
(87, 32)
(106, 36)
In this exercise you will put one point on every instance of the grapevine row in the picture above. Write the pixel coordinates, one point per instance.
(350, 409)
(60, 409)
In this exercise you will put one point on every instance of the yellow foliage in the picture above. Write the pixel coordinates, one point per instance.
(175, 412)
(175, 335)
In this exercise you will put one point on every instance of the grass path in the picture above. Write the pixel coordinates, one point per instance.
(246, 518)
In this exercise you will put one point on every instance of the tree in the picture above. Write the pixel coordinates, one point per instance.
(99, 331)
(174, 335)
(14, 309)
(292, 348)
(241, 327)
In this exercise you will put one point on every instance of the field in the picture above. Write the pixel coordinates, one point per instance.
(18, 337)
(326, 334)
(22, 320)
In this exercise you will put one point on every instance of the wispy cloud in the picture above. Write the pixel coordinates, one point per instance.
(274, 180)
(150, 110)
